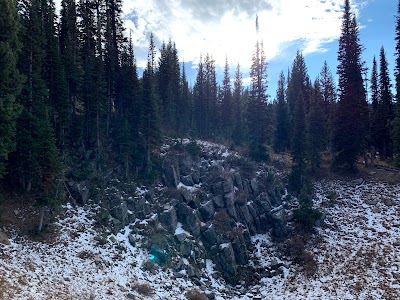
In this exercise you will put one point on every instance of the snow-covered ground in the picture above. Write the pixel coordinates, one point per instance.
(357, 256)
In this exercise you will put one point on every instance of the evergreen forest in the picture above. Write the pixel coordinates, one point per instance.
(70, 93)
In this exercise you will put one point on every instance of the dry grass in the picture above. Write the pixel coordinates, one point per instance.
(195, 294)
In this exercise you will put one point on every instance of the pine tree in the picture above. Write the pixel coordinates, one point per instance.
(257, 106)
(36, 162)
(281, 139)
(352, 114)
(298, 99)
(10, 79)
(385, 107)
(129, 110)
(328, 90)
(211, 96)
(185, 105)
(226, 105)
(69, 126)
(396, 122)
(169, 85)
(200, 105)
(54, 75)
(150, 118)
(316, 130)
(374, 121)
(240, 107)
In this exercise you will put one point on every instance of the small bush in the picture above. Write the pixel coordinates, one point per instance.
(259, 153)
(306, 215)
(144, 289)
(295, 249)
(193, 148)
(222, 221)
(195, 294)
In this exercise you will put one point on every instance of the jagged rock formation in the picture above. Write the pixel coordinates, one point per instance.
(211, 201)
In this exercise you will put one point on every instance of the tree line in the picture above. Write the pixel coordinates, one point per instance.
(69, 88)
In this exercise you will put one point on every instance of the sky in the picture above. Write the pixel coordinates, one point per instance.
(226, 29)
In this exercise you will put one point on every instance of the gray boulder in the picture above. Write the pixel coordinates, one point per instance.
(168, 219)
(187, 180)
(227, 185)
(207, 210)
(219, 201)
(254, 186)
(263, 202)
(226, 258)
(120, 212)
(4, 238)
(210, 235)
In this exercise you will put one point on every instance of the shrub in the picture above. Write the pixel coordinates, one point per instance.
(259, 153)
(195, 294)
(193, 148)
(306, 215)
(144, 289)
(295, 249)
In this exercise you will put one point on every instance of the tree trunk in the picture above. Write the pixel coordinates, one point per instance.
(41, 217)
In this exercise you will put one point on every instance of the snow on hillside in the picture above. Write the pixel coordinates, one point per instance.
(357, 255)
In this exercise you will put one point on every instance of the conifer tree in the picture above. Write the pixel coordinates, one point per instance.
(169, 85)
(385, 107)
(281, 138)
(129, 110)
(240, 107)
(54, 75)
(395, 134)
(10, 79)
(200, 105)
(257, 106)
(150, 118)
(211, 96)
(374, 119)
(70, 129)
(185, 106)
(298, 97)
(328, 90)
(36, 162)
(351, 122)
(226, 104)
(316, 131)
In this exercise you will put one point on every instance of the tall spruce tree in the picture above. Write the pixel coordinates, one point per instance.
(10, 79)
(395, 134)
(257, 106)
(70, 129)
(298, 99)
(281, 138)
(351, 123)
(374, 119)
(36, 162)
(226, 105)
(185, 105)
(316, 130)
(201, 116)
(385, 107)
(328, 90)
(239, 106)
(150, 117)
(169, 85)
(129, 110)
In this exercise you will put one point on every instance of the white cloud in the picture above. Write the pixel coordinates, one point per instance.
(228, 27)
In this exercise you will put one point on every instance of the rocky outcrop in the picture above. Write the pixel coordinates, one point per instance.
(218, 202)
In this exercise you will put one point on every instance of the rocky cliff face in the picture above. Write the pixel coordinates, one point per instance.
(208, 205)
